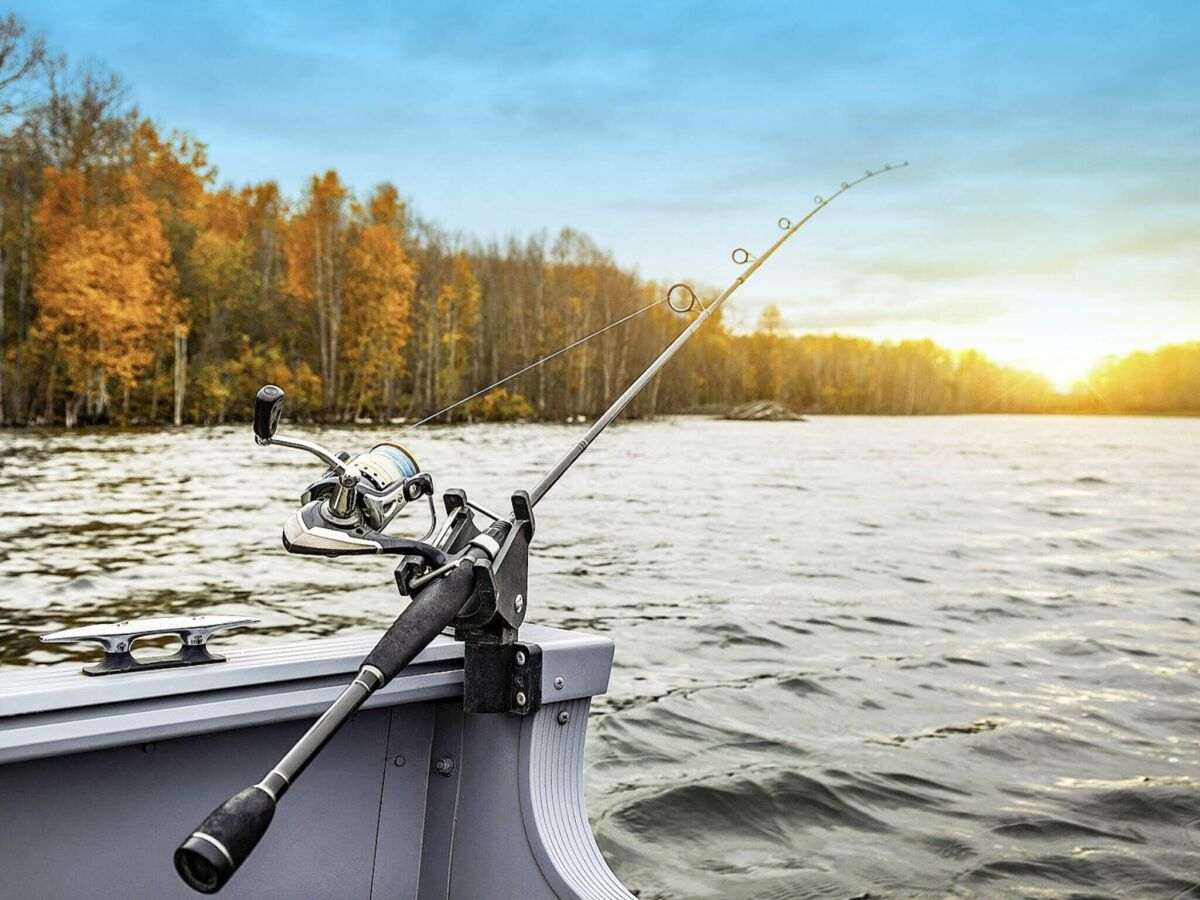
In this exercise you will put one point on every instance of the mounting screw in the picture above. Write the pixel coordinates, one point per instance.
(520, 698)
(148, 748)
(519, 603)
(399, 761)
(564, 717)
(445, 766)
(559, 684)
(520, 657)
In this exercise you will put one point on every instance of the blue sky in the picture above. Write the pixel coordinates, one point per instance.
(1051, 213)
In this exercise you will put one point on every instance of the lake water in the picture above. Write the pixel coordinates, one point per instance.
(881, 657)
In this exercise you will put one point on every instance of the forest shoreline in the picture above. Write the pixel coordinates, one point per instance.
(106, 427)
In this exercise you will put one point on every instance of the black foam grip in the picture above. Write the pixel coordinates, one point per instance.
(432, 610)
(236, 826)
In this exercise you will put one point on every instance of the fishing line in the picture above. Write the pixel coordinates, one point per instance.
(693, 302)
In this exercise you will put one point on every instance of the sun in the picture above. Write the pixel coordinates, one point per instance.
(1065, 366)
(1062, 345)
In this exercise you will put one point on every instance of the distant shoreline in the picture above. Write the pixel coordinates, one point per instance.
(380, 426)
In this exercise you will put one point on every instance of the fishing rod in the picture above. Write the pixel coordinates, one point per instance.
(470, 578)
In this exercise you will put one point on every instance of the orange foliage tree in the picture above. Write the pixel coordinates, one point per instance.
(105, 287)
(379, 291)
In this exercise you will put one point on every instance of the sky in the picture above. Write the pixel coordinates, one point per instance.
(1050, 215)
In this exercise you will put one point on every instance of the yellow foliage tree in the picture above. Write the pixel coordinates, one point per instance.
(767, 376)
(379, 290)
(173, 172)
(457, 314)
(227, 389)
(315, 248)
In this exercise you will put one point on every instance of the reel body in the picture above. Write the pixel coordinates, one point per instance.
(388, 478)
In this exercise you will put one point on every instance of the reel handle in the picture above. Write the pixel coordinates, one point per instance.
(268, 408)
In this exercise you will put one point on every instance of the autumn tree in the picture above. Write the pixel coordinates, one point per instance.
(378, 293)
(21, 56)
(316, 257)
(457, 310)
(1163, 380)
(766, 362)
(104, 288)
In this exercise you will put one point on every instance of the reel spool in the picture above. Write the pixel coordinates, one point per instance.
(386, 464)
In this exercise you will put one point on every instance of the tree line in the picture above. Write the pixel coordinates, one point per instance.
(134, 287)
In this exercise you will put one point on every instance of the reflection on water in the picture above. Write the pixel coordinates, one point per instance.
(892, 657)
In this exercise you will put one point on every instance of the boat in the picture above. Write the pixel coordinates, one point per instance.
(413, 799)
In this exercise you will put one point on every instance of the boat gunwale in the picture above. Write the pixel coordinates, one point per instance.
(56, 710)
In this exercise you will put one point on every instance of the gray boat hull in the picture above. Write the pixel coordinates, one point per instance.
(100, 778)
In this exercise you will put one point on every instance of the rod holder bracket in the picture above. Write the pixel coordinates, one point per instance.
(502, 677)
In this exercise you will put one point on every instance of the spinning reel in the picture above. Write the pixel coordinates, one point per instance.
(346, 510)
